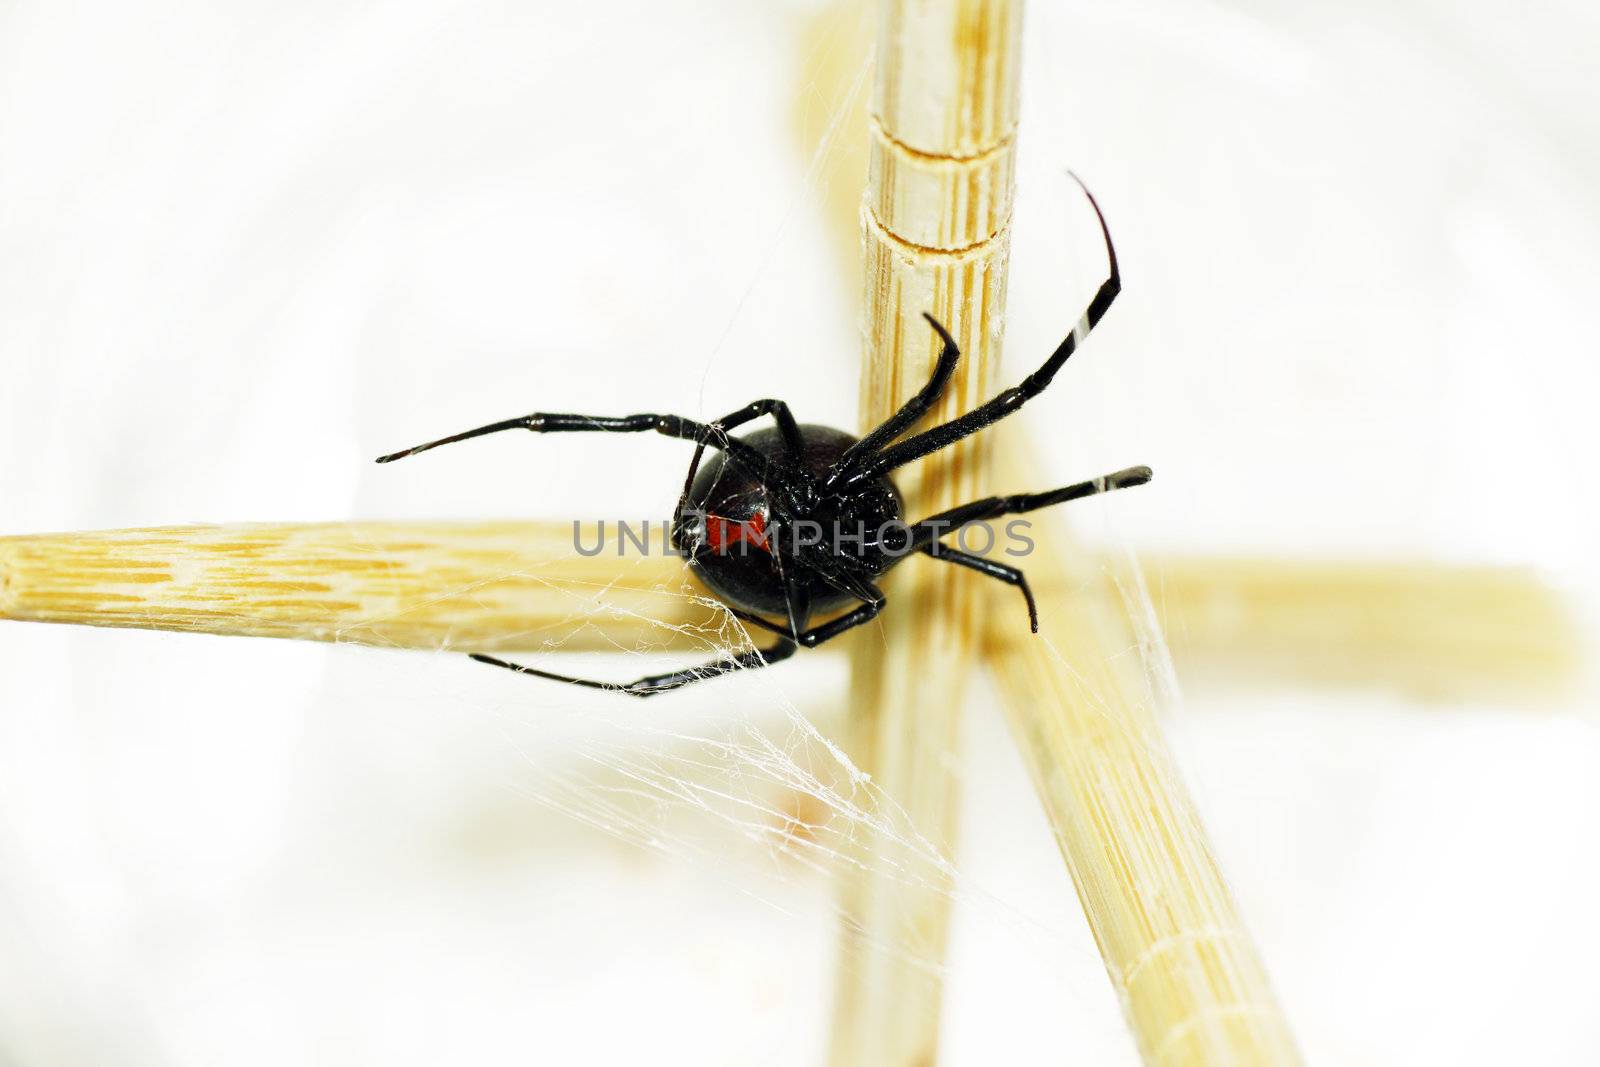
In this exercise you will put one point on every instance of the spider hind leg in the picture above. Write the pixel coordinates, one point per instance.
(816, 635)
(651, 684)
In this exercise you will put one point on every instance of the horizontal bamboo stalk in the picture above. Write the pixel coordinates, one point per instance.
(480, 586)
(1432, 630)
(1457, 632)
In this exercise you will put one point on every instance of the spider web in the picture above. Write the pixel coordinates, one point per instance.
(751, 791)
(747, 784)
(447, 821)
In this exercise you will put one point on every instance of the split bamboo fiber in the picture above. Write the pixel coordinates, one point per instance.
(935, 229)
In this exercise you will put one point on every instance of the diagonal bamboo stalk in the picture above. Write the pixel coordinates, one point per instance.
(1082, 710)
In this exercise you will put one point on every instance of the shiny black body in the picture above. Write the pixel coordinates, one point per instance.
(794, 522)
(795, 516)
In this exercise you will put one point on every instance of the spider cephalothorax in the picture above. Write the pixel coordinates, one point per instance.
(798, 521)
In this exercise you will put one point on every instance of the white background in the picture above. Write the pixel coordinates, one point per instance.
(245, 247)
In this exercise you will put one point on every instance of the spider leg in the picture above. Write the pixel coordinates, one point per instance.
(929, 530)
(796, 599)
(1004, 572)
(848, 621)
(766, 624)
(651, 684)
(797, 608)
(799, 611)
(549, 422)
(1007, 402)
(780, 414)
(754, 410)
(833, 628)
(911, 411)
(828, 569)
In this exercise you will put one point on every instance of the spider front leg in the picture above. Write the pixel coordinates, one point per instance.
(719, 430)
(1008, 401)
(552, 422)
(911, 411)
(780, 414)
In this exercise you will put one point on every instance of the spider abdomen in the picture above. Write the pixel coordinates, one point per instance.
(743, 533)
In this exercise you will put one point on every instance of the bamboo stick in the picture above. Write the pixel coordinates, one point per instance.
(935, 227)
(461, 586)
(1437, 631)
(1432, 631)
(1187, 976)
(1081, 707)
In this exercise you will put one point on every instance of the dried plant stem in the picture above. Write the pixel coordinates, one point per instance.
(519, 586)
(937, 206)
(1434, 631)
(470, 586)
(1080, 703)
(935, 228)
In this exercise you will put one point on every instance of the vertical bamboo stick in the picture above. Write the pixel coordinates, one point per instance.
(1080, 704)
(1184, 969)
(935, 228)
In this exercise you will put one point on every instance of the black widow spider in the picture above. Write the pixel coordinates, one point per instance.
(782, 489)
